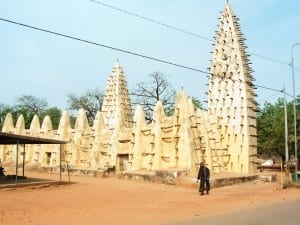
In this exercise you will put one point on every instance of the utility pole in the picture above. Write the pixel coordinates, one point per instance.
(286, 129)
(295, 115)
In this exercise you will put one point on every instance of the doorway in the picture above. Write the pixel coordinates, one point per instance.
(48, 158)
(122, 162)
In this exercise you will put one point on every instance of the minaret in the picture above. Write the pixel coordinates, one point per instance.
(231, 95)
(116, 106)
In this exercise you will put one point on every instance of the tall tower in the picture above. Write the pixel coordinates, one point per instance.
(116, 104)
(231, 95)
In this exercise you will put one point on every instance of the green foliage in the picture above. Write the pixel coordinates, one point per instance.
(55, 115)
(197, 103)
(169, 110)
(271, 128)
(16, 111)
(28, 106)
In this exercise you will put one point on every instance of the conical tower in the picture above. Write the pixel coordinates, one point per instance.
(231, 96)
(116, 106)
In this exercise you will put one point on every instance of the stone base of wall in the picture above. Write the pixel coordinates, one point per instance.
(181, 177)
(226, 181)
(79, 171)
(172, 177)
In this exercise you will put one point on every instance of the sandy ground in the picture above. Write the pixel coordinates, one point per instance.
(112, 201)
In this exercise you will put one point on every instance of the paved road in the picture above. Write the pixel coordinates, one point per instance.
(285, 212)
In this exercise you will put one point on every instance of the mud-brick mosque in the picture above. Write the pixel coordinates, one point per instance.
(224, 135)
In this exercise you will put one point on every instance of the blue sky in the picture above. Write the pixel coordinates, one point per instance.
(50, 67)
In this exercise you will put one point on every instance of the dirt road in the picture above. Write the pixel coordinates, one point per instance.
(112, 201)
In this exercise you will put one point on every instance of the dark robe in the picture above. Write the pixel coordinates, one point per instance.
(1, 171)
(203, 176)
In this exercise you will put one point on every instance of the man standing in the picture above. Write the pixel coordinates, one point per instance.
(203, 176)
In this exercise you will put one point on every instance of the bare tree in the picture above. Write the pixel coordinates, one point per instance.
(28, 106)
(90, 101)
(31, 104)
(148, 93)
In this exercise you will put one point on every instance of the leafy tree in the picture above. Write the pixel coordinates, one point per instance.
(29, 106)
(16, 112)
(90, 101)
(156, 89)
(271, 128)
(55, 115)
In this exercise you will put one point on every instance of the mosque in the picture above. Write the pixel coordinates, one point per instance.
(224, 136)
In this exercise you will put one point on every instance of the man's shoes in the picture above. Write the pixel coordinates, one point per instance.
(201, 193)
(207, 192)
